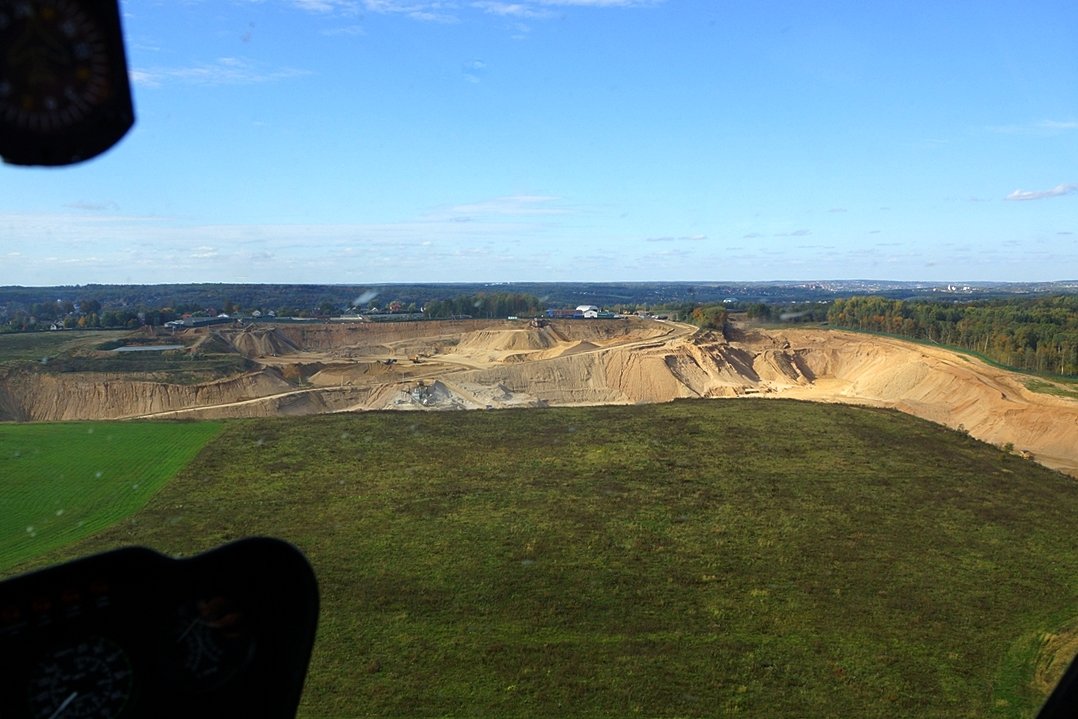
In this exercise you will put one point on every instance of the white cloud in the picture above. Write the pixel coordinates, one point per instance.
(143, 78)
(510, 205)
(428, 11)
(473, 70)
(93, 206)
(346, 30)
(222, 71)
(1057, 191)
(511, 9)
(1057, 125)
(436, 11)
(160, 249)
(601, 3)
(1042, 127)
(327, 6)
(681, 238)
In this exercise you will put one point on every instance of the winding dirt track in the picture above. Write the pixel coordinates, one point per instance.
(491, 364)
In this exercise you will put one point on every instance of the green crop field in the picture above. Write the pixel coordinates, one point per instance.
(750, 558)
(63, 482)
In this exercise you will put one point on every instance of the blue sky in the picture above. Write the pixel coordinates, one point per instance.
(369, 141)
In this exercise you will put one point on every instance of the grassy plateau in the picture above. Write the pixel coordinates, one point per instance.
(88, 351)
(756, 558)
(1060, 389)
(38, 346)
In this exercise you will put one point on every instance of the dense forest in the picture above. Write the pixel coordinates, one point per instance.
(484, 304)
(1039, 335)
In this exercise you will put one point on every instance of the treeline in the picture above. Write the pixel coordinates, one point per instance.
(88, 314)
(1039, 335)
(156, 306)
(484, 305)
(791, 312)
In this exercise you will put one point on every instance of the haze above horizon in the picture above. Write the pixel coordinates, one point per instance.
(379, 141)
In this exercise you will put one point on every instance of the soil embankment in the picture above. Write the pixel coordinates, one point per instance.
(310, 369)
(42, 396)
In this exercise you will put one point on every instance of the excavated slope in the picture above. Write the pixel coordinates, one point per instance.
(41, 396)
(498, 364)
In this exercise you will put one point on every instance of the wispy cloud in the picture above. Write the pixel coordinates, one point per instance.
(112, 248)
(426, 11)
(451, 11)
(511, 9)
(473, 71)
(1058, 125)
(1057, 191)
(1041, 127)
(350, 7)
(93, 206)
(352, 30)
(204, 252)
(222, 71)
(601, 3)
(507, 206)
(681, 238)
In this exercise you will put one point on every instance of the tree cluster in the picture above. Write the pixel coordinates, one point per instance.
(484, 305)
(709, 317)
(1038, 335)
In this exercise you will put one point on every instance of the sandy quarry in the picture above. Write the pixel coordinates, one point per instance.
(310, 369)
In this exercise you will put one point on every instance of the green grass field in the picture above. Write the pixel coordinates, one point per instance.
(66, 352)
(750, 558)
(63, 482)
(1060, 389)
(35, 346)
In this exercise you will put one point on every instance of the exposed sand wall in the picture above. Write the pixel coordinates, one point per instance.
(52, 397)
(490, 364)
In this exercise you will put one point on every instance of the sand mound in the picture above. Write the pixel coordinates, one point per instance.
(262, 341)
(507, 340)
(212, 343)
(562, 349)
